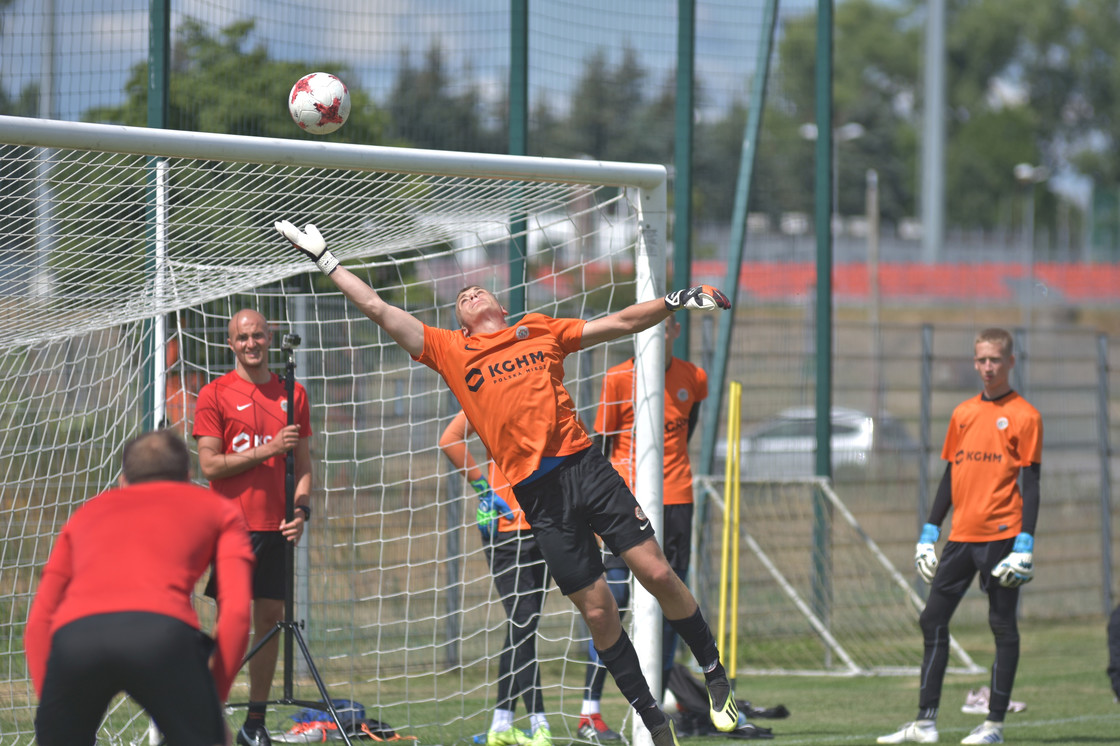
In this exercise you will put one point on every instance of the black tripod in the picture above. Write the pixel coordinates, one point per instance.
(289, 626)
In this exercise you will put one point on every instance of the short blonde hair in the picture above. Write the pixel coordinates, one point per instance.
(997, 336)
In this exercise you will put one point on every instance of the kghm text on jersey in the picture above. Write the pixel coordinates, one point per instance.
(978, 457)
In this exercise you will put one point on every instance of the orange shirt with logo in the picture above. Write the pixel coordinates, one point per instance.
(510, 384)
(988, 442)
(685, 386)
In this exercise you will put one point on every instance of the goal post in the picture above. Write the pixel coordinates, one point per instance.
(125, 252)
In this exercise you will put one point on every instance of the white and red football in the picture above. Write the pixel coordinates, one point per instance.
(319, 103)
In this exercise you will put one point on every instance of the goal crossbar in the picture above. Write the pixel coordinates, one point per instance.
(111, 138)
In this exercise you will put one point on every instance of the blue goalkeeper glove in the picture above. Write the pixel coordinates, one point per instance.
(1018, 567)
(925, 557)
(490, 508)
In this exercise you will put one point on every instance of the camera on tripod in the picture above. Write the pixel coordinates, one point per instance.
(289, 342)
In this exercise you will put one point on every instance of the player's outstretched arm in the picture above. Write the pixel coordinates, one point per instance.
(642, 316)
(405, 329)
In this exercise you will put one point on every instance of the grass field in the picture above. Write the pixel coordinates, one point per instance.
(1061, 679)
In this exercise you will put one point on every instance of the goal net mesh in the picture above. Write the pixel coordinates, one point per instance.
(816, 594)
(119, 275)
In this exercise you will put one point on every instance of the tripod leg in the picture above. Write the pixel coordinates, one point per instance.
(319, 682)
(261, 643)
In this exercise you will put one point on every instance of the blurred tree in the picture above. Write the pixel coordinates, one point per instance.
(875, 67)
(26, 104)
(425, 112)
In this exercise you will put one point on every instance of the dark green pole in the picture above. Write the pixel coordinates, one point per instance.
(159, 61)
(822, 587)
(823, 220)
(518, 141)
(682, 158)
(713, 405)
(159, 77)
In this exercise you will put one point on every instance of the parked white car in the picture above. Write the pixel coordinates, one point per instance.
(785, 445)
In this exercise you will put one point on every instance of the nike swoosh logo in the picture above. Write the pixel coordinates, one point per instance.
(643, 526)
(243, 407)
(472, 349)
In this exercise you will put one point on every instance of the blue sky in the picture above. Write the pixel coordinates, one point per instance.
(98, 41)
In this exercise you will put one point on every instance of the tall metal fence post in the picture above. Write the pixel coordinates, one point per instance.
(926, 398)
(1104, 450)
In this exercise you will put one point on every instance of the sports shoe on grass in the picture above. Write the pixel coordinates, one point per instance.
(593, 728)
(665, 734)
(542, 736)
(253, 733)
(976, 702)
(986, 732)
(725, 714)
(919, 731)
(507, 737)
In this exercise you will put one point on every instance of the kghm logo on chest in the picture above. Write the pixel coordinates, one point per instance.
(506, 369)
(978, 457)
(513, 365)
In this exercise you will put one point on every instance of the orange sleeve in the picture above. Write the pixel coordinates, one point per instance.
(453, 443)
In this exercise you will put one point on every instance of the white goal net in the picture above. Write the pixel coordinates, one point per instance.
(123, 254)
(817, 596)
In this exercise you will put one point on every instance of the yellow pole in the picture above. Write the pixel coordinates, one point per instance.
(725, 535)
(731, 476)
(733, 616)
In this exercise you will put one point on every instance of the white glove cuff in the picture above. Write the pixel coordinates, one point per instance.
(326, 262)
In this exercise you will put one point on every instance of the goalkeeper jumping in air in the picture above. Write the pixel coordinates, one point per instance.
(993, 438)
(509, 382)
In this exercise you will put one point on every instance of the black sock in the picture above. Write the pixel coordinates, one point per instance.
(653, 717)
(698, 636)
(718, 685)
(622, 661)
(255, 713)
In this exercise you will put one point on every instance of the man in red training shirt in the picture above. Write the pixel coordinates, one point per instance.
(244, 441)
(113, 610)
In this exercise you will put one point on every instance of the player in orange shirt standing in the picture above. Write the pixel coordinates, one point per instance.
(993, 440)
(521, 579)
(509, 381)
(686, 385)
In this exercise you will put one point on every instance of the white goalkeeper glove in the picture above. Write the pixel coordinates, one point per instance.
(925, 557)
(1018, 567)
(311, 243)
(702, 297)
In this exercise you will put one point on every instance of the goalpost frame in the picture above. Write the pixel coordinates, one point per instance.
(649, 180)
